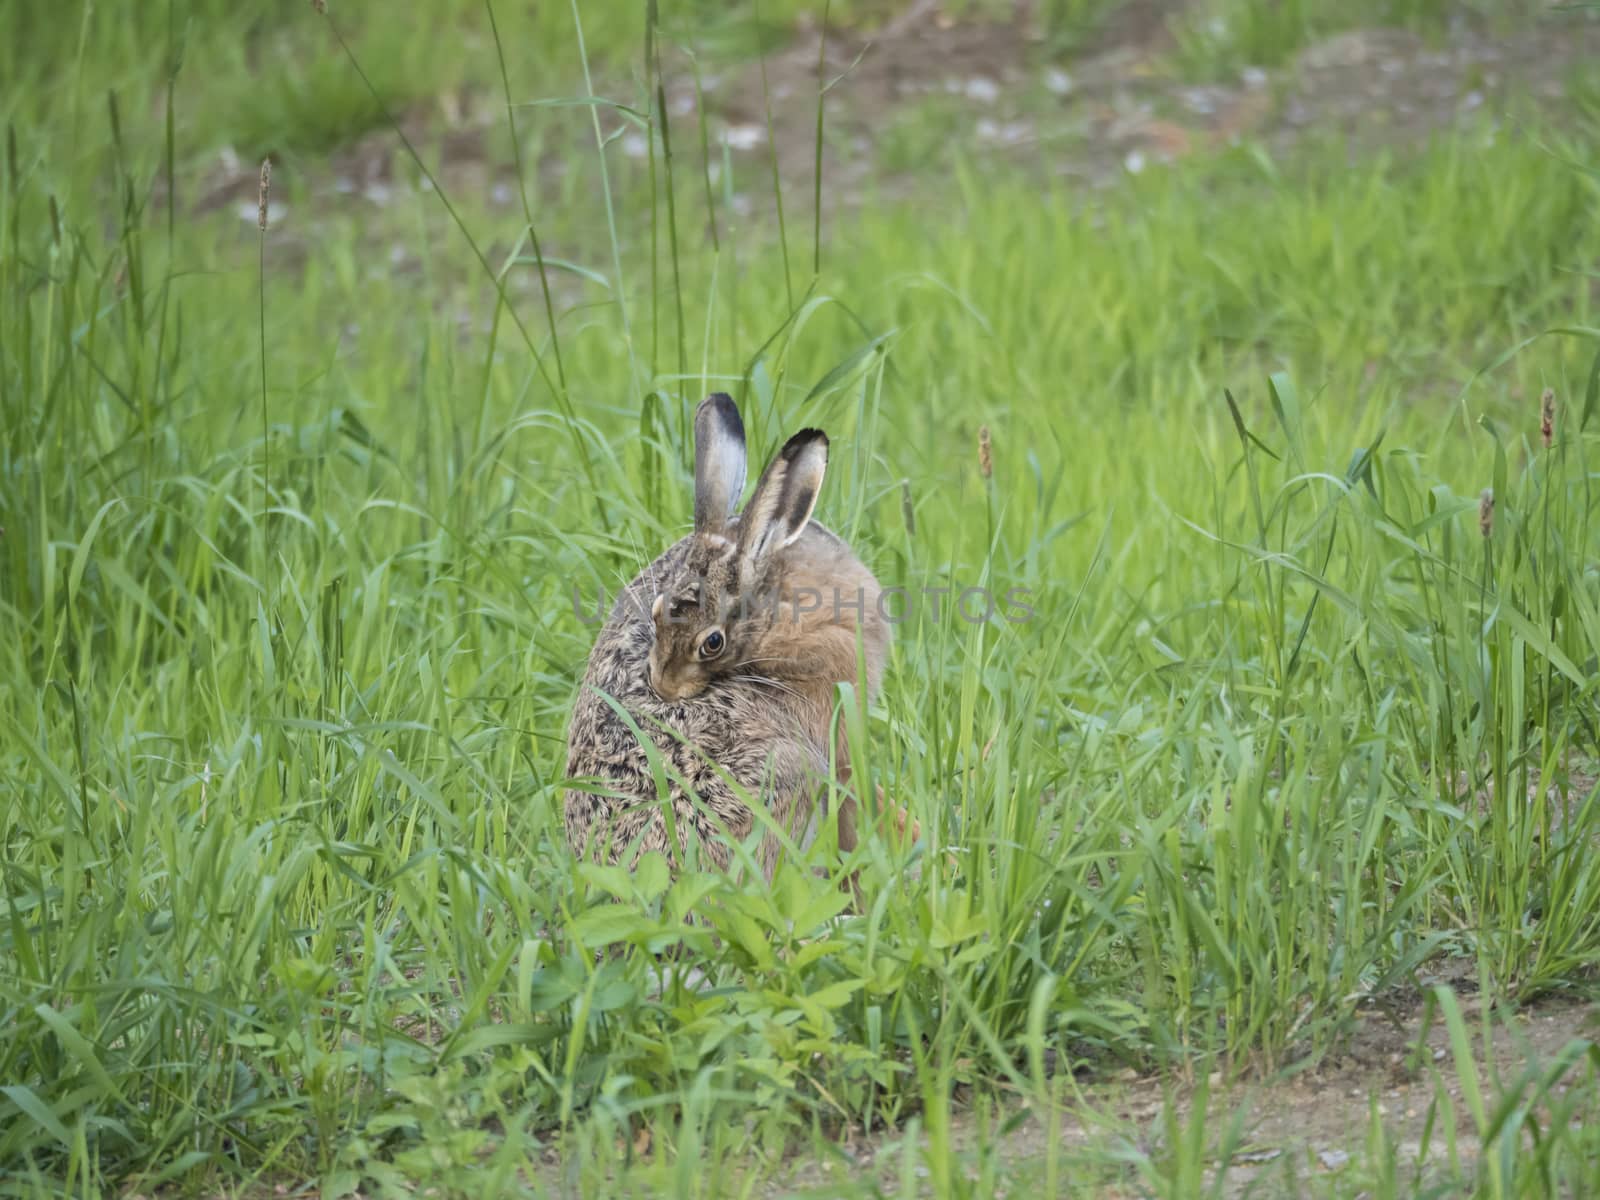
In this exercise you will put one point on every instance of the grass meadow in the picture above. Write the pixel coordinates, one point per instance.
(1294, 456)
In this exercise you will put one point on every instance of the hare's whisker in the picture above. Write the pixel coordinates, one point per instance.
(772, 683)
(773, 658)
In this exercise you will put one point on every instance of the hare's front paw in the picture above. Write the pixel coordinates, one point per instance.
(899, 817)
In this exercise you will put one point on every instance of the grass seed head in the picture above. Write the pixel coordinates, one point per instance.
(261, 196)
(906, 510)
(1547, 417)
(1486, 512)
(985, 454)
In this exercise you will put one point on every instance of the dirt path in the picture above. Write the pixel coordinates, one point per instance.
(1123, 105)
(1311, 1126)
(902, 98)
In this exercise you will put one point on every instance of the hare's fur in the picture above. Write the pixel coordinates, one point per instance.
(797, 614)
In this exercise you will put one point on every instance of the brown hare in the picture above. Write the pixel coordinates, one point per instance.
(725, 653)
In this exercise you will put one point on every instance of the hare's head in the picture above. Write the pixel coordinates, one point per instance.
(713, 615)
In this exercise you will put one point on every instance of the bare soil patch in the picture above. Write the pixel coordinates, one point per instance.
(988, 88)
(1297, 1125)
(1122, 104)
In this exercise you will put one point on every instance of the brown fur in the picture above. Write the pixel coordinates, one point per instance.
(760, 710)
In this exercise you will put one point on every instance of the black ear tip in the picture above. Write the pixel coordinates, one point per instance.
(720, 407)
(805, 440)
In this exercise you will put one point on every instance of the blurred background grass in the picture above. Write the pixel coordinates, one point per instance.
(293, 522)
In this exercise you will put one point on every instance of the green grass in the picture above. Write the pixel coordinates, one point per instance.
(265, 77)
(289, 654)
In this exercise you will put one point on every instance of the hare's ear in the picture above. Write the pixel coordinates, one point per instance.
(785, 497)
(719, 462)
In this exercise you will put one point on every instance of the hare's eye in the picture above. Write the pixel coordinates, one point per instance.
(711, 645)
